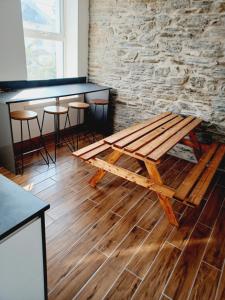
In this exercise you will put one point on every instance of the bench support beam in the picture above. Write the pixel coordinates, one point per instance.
(133, 177)
(111, 159)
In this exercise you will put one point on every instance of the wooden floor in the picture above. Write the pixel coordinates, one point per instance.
(114, 242)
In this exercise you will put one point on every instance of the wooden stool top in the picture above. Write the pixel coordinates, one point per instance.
(99, 102)
(21, 115)
(78, 105)
(56, 110)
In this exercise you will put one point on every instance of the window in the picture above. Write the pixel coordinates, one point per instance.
(44, 38)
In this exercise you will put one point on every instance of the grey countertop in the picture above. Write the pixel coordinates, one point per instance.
(39, 93)
(17, 207)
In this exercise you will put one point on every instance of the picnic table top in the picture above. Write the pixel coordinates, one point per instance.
(153, 138)
(150, 139)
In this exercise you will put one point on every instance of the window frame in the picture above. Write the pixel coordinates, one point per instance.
(51, 36)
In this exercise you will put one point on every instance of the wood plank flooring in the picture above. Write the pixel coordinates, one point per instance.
(114, 242)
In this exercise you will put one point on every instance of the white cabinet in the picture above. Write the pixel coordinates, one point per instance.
(21, 264)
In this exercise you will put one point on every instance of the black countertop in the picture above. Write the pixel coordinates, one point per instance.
(17, 207)
(47, 92)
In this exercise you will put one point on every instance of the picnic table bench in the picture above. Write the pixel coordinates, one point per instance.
(148, 142)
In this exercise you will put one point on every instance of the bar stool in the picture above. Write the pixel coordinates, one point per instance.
(79, 106)
(27, 115)
(57, 111)
(99, 103)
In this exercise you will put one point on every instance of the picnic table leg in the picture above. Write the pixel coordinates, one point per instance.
(112, 159)
(164, 201)
(196, 146)
(142, 166)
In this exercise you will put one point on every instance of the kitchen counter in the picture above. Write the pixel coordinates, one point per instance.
(17, 207)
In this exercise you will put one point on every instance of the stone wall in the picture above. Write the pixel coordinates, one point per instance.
(160, 55)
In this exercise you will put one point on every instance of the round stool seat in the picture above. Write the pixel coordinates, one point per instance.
(99, 102)
(56, 110)
(79, 105)
(21, 115)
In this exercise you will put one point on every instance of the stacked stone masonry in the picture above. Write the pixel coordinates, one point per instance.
(160, 55)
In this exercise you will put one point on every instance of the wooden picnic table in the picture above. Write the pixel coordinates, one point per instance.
(148, 142)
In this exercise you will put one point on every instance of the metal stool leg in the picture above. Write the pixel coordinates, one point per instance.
(41, 135)
(68, 142)
(42, 123)
(90, 127)
(95, 115)
(44, 145)
(58, 129)
(66, 119)
(85, 128)
(14, 156)
(28, 126)
(56, 133)
(45, 159)
(78, 123)
(73, 144)
(95, 121)
(21, 135)
(103, 119)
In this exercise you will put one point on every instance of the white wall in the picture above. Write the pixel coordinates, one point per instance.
(70, 42)
(83, 31)
(76, 27)
(12, 50)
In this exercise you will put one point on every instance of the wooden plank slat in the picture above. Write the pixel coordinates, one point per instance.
(133, 177)
(67, 289)
(186, 269)
(202, 185)
(129, 201)
(206, 283)
(113, 191)
(95, 152)
(123, 133)
(75, 252)
(124, 287)
(133, 155)
(221, 287)
(112, 240)
(162, 138)
(148, 251)
(149, 137)
(99, 285)
(153, 284)
(180, 237)
(170, 143)
(84, 150)
(150, 219)
(191, 178)
(213, 206)
(215, 251)
(134, 136)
